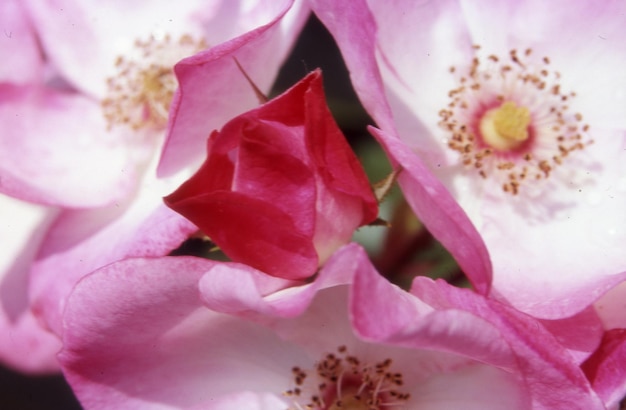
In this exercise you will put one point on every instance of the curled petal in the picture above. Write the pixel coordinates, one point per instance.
(461, 321)
(195, 115)
(240, 290)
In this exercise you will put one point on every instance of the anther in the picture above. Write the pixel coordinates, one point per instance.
(140, 94)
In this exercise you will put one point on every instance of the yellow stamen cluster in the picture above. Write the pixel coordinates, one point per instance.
(342, 382)
(139, 96)
(509, 119)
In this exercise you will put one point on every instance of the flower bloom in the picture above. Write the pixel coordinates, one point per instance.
(281, 189)
(523, 125)
(244, 340)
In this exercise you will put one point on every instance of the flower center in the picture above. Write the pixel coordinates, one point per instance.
(341, 382)
(506, 127)
(139, 96)
(510, 121)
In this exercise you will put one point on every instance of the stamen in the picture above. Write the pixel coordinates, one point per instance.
(344, 383)
(512, 121)
(339, 381)
(139, 96)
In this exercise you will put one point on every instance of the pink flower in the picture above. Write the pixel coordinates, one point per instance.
(139, 337)
(517, 108)
(281, 189)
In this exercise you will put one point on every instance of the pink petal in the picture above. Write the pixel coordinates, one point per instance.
(19, 51)
(81, 241)
(245, 400)
(466, 323)
(358, 43)
(472, 387)
(46, 156)
(83, 38)
(611, 307)
(580, 334)
(195, 115)
(172, 334)
(564, 274)
(412, 322)
(437, 209)
(238, 289)
(27, 347)
(24, 344)
(541, 358)
(605, 368)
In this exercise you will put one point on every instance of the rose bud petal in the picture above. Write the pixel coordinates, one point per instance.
(281, 189)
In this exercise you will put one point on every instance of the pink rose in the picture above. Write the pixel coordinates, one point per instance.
(281, 188)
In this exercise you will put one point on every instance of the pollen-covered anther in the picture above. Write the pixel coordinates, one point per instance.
(341, 381)
(140, 94)
(509, 119)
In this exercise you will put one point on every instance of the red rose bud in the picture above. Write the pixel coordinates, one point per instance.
(281, 189)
